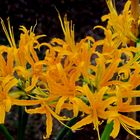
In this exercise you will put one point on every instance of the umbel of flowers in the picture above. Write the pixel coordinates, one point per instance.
(96, 77)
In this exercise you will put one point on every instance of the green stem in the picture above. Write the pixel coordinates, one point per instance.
(106, 133)
(65, 130)
(22, 121)
(4, 130)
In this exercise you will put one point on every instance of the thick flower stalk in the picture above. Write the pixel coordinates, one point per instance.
(98, 78)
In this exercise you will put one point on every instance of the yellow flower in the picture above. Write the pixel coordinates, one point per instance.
(127, 123)
(62, 86)
(120, 24)
(96, 108)
(75, 57)
(122, 105)
(28, 56)
(18, 57)
(105, 72)
(118, 119)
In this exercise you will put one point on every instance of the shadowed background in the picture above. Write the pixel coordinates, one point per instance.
(85, 14)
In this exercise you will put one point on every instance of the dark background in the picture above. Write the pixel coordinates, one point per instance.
(85, 14)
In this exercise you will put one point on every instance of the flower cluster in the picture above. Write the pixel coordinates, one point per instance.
(99, 78)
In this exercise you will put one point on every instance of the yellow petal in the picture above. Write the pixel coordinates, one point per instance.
(25, 102)
(10, 61)
(2, 114)
(127, 6)
(34, 55)
(75, 108)
(49, 124)
(60, 103)
(40, 110)
(83, 106)
(8, 104)
(110, 71)
(9, 33)
(89, 95)
(129, 108)
(116, 128)
(29, 58)
(84, 121)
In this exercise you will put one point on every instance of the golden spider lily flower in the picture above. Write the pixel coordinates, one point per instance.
(106, 69)
(120, 24)
(62, 86)
(127, 123)
(122, 104)
(104, 74)
(23, 55)
(110, 46)
(96, 108)
(68, 45)
(75, 57)
(29, 41)
(27, 44)
(6, 84)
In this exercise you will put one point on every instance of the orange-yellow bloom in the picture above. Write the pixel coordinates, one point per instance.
(120, 24)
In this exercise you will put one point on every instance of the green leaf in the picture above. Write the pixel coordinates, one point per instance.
(106, 133)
